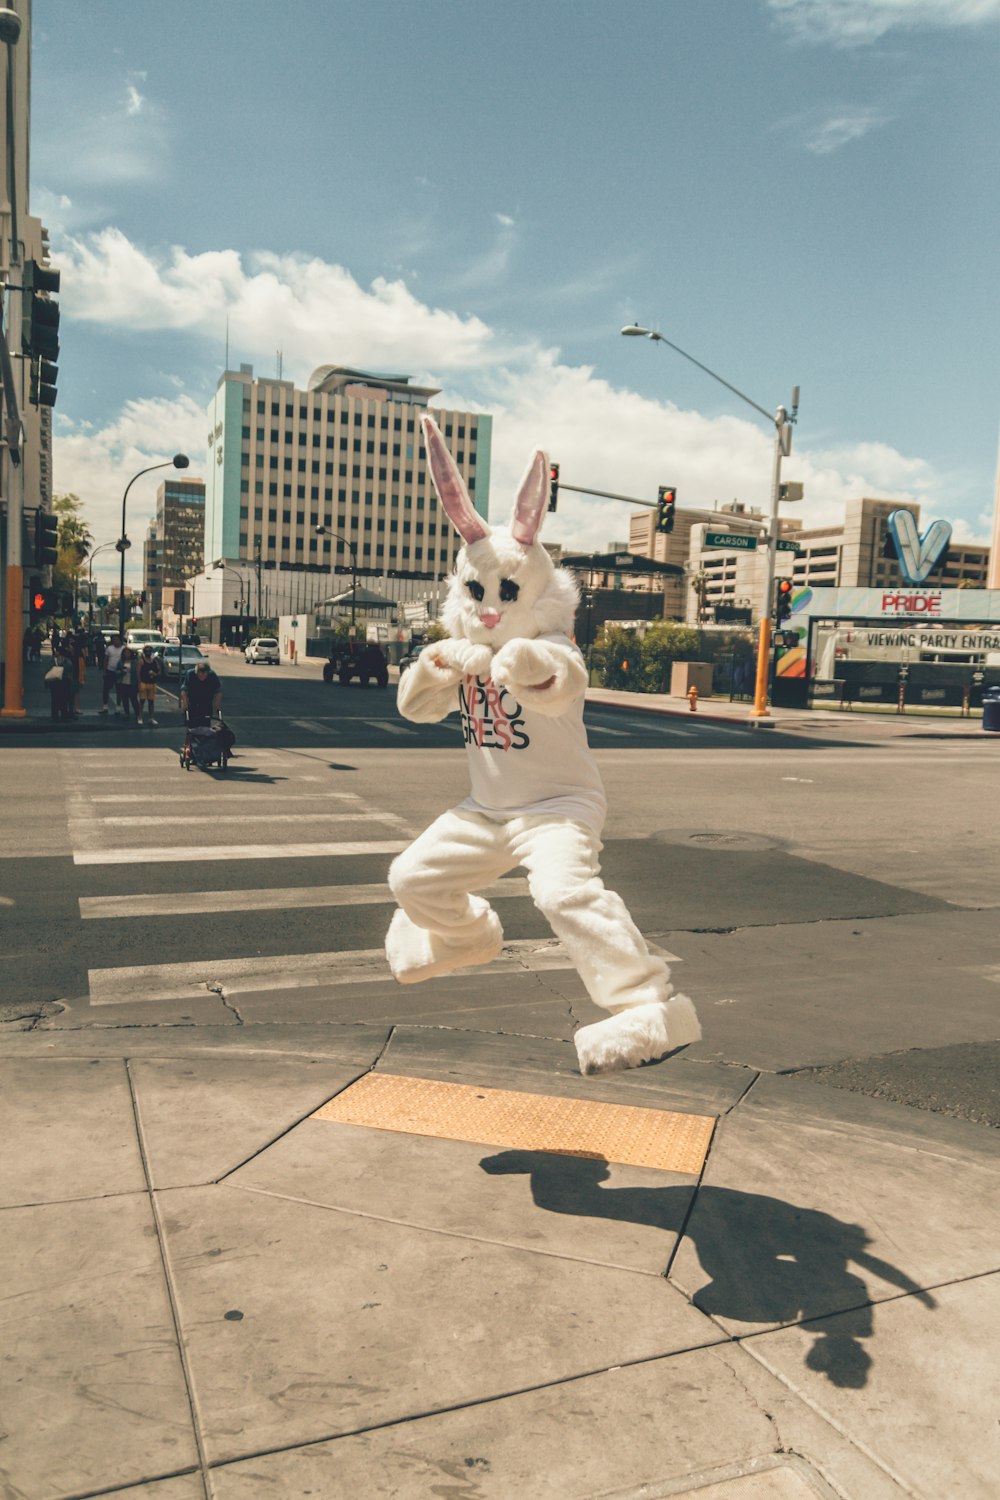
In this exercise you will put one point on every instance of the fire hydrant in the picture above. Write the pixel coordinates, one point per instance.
(692, 696)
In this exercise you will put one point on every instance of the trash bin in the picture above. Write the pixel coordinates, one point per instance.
(991, 710)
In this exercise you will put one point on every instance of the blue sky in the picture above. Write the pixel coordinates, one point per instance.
(794, 191)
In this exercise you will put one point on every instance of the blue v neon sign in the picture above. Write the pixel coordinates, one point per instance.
(918, 555)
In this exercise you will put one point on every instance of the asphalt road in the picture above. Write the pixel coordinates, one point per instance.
(831, 906)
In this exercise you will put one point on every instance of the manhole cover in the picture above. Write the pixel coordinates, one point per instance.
(714, 838)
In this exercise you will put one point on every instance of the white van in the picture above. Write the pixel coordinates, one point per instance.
(263, 648)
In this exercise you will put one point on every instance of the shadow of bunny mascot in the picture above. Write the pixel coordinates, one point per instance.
(536, 800)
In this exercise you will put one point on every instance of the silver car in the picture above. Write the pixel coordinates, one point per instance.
(177, 661)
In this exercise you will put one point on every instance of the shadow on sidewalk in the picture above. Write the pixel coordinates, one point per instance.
(768, 1261)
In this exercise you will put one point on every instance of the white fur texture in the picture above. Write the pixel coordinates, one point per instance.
(637, 1035)
(546, 601)
(541, 674)
(415, 954)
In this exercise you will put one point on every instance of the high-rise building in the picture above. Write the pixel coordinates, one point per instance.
(175, 541)
(346, 454)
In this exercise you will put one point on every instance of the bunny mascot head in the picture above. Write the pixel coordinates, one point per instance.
(504, 585)
(511, 669)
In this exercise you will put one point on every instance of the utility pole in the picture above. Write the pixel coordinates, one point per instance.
(258, 585)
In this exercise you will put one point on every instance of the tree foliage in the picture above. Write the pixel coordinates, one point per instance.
(75, 541)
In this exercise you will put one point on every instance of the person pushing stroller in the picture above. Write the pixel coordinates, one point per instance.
(207, 741)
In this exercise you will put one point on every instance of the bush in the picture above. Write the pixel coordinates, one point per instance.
(617, 656)
(663, 644)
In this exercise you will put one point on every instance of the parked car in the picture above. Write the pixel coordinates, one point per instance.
(178, 660)
(263, 648)
(361, 659)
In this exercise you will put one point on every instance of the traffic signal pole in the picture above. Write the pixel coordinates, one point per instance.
(782, 445)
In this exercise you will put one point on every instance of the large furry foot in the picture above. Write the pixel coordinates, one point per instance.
(637, 1035)
(415, 954)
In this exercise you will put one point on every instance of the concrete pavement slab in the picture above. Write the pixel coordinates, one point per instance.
(203, 1117)
(68, 1129)
(302, 1322)
(347, 1043)
(649, 1430)
(542, 1064)
(94, 1389)
(180, 1487)
(797, 1221)
(480, 1192)
(926, 1408)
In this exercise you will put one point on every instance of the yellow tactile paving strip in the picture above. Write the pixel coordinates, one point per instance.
(633, 1136)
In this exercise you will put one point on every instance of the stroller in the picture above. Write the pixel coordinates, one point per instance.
(206, 745)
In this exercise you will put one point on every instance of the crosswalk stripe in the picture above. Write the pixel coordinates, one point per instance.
(285, 898)
(211, 793)
(389, 726)
(236, 976)
(144, 820)
(198, 979)
(313, 726)
(197, 853)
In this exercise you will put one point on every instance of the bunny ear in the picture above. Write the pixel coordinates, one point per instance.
(532, 498)
(450, 485)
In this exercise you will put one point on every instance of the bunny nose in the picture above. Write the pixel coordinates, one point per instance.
(490, 617)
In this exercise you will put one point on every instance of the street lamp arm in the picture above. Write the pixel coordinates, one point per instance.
(658, 338)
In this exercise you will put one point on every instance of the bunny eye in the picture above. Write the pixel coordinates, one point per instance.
(476, 590)
(509, 590)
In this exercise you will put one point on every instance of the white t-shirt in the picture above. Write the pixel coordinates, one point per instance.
(112, 657)
(522, 762)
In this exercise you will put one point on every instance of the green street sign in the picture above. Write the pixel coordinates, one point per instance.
(787, 546)
(736, 541)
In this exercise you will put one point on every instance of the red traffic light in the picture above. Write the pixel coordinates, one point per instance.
(784, 585)
(38, 602)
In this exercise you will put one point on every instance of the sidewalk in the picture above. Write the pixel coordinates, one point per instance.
(218, 1285)
(38, 718)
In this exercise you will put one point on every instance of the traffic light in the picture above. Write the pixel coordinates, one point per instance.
(39, 316)
(42, 382)
(46, 538)
(782, 599)
(666, 502)
(553, 486)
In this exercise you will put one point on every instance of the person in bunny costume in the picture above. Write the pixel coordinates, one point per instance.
(537, 799)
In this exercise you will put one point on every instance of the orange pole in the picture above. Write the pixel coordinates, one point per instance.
(13, 706)
(760, 709)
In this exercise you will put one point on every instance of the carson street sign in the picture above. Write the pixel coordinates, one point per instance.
(736, 541)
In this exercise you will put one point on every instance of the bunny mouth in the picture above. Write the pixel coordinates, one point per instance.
(490, 618)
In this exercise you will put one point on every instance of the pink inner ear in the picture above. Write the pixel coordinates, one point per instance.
(450, 485)
(532, 498)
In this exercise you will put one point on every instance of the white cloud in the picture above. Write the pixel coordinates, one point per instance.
(313, 310)
(842, 127)
(852, 23)
(98, 463)
(605, 438)
(112, 144)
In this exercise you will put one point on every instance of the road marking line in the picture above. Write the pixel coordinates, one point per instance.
(195, 854)
(623, 734)
(211, 794)
(313, 726)
(388, 725)
(157, 821)
(285, 898)
(236, 976)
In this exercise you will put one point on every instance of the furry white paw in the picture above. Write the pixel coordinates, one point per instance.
(464, 657)
(415, 954)
(637, 1035)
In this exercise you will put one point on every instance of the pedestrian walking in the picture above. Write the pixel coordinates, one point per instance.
(59, 680)
(201, 695)
(37, 637)
(112, 657)
(149, 676)
(128, 684)
(80, 650)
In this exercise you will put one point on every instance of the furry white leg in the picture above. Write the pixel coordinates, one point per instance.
(415, 954)
(636, 1035)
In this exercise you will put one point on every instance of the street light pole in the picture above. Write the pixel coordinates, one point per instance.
(325, 531)
(783, 421)
(90, 579)
(225, 568)
(179, 461)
